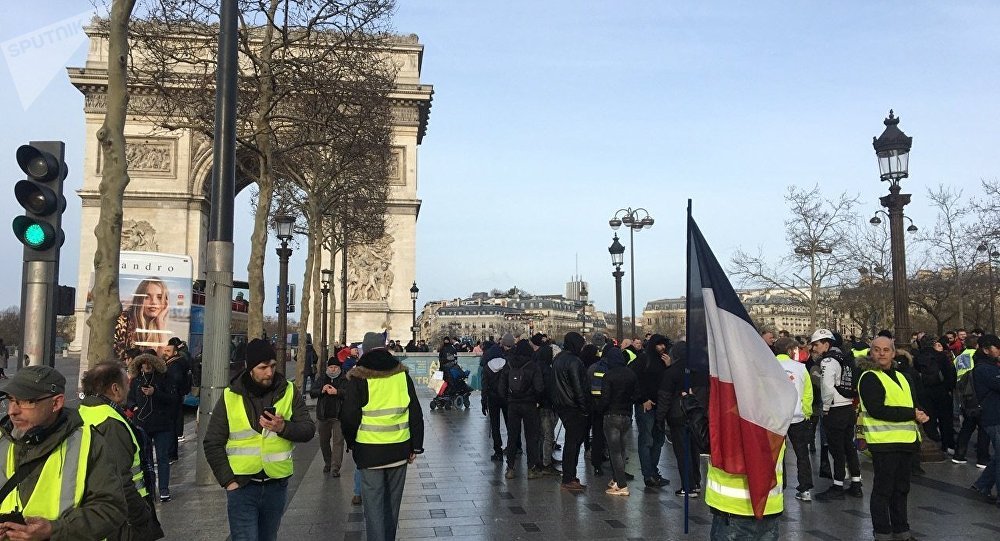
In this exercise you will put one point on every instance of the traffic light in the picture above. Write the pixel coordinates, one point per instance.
(41, 195)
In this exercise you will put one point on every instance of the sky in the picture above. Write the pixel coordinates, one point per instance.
(550, 116)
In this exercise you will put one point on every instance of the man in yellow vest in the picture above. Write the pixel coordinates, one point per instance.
(889, 422)
(251, 434)
(384, 428)
(800, 431)
(68, 489)
(728, 497)
(105, 389)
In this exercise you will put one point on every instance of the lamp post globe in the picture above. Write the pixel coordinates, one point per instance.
(893, 151)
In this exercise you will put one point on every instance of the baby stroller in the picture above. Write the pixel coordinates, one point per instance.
(454, 391)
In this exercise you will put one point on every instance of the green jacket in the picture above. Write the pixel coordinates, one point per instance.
(102, 510)
(139, 524)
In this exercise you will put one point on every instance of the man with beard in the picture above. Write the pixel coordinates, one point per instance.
(570, 401)
(46, 444)
(249, 443)
(649, 370)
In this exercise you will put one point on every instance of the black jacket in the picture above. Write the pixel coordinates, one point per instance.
(299, 429)
(532, 374)
(571, 388)
(156, 412)
(649, 369)
(620, 388)
(490, 383)
(936, 371)
(328, 405)
(543, 359)
(179, 372)
(872, 393)
(378, 363)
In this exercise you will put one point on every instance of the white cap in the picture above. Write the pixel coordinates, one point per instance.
(821, 334)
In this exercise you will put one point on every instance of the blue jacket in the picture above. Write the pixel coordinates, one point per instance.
(986, 378)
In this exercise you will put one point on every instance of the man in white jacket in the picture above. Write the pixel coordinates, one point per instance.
(800, 430)
(838, 414)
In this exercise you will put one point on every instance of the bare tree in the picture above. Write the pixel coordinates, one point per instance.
(279, 41)
(817, 258)
(950, 245)
(114, 180)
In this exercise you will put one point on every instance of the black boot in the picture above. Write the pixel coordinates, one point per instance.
(855, 490)
(835, 492)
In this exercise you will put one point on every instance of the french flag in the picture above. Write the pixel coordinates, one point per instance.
(750, 400)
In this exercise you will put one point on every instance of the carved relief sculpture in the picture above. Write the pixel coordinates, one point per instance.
(139, 236)
(369, 277)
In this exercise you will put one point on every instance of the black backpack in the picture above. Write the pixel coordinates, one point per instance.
(967, 395)
(519, 381)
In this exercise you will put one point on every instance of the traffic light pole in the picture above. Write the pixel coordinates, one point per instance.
(38, 313)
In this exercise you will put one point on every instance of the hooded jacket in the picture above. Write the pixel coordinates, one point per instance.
(102, 509)
(495, 363)
(378, 363)
(620, 388)
(299, 429)
(328, 405)
(570, 375)
(649, 369)
(936, 372)
(139, 524)
(154, 413)
(543, 359)
(521, 358)
(986, 380)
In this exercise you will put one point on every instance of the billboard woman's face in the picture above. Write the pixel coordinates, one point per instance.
(154, 301)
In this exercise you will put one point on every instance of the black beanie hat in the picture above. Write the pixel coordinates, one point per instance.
(259, 351)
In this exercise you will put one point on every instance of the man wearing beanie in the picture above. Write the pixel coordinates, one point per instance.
(249, 443)
(384, 428)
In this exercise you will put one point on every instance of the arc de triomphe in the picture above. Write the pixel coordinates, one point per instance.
(166, 204)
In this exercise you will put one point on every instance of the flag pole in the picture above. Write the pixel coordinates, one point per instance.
(686, 450)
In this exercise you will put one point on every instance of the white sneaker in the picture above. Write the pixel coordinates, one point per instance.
(981, 466)
(614, 490)
(805, 496)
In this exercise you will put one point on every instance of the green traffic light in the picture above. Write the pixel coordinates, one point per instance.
(34, 235)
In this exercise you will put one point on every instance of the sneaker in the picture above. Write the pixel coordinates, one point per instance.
(681, 492)
(981, 465)
(574, 486)
(535, 473)
(550, 470)
(805, 496)
(509, 474)
(835, 492)
(165, 495)
(181, 439)
(959, 460)
(663, 482)
(615, 490)
(652, 482)
(355, 500)
(855, 490)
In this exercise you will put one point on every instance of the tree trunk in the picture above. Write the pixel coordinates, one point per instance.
(265, 181)
(304, 303)
(316, 247)
(114, 180)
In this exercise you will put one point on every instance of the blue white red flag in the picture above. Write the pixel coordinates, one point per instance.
(750, 401)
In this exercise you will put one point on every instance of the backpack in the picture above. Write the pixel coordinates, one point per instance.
(967, 395)
(848, 385)
(519, 381)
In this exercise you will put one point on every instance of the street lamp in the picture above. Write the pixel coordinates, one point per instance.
(893, 151)
(878, 221)
(583, 309)
(325, 290)
(414, 290)
(617, 252)
(635, 221)
(991, 253)
(283, 224)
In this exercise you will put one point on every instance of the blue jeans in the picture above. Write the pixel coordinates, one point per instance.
(990, 477)
(651, 438)
(255, 510)
(357, 482)
(162, 441)
(734, 528)
(381, 496)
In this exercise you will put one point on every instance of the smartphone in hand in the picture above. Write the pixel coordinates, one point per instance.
(271, 411)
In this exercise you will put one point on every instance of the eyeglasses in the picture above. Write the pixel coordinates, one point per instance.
(25, 404)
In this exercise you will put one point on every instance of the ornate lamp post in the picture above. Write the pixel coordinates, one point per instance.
(583, 309)
(991, 253)
(283, 225)
(325, 290)
(635, 220)
(414, 290)
(617, 252)
(893, 151)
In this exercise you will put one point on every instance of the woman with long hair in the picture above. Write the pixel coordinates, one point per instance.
(144, 321)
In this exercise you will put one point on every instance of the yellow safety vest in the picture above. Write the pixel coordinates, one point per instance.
(878, 431)
(967, 362)
(629, 356)
(385, 419)
(859, 353)
(95, 415)
(250, 451)
(60, 483)
(730, 493)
